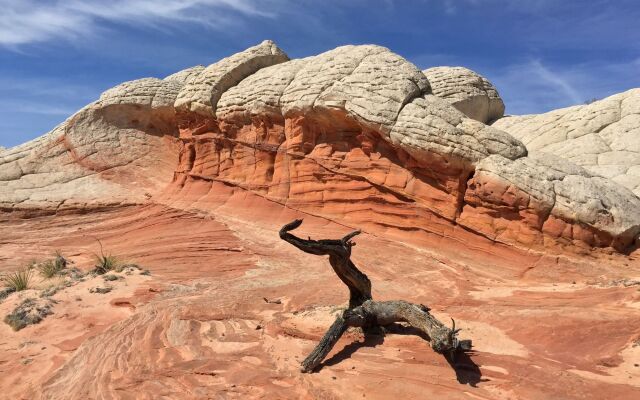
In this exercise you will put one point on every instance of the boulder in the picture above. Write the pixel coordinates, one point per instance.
(467, 91)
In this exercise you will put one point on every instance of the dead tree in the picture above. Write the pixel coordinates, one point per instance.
(363, 311)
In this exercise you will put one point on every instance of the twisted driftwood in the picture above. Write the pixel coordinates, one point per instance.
(363, 311)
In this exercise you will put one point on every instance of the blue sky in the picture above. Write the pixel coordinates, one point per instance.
(56, 56)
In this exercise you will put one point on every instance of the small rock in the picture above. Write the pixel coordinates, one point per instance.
(110, 278)
(101, 290)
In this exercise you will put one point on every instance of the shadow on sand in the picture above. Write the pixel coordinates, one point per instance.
(467, 371)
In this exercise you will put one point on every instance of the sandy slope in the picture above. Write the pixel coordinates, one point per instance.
(544, 327)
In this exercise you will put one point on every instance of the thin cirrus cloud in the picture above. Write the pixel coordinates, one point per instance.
(28, 21)
(535, 86)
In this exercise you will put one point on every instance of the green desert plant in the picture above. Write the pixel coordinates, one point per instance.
(51, 268)
(48, 269)
(18, 280)
(104, 262)
(60, 261)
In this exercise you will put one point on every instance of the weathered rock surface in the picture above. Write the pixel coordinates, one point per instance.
(603, 137)
(114, 151)
(202, 92)
(467, 91)
(154, 93)
(186, 75)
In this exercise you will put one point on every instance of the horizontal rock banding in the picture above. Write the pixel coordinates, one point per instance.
(356, 134)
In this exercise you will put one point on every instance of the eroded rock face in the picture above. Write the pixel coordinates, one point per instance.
(113, 152)
(202, 92)
(547, 192)
(354, 134)
(467, 91)
(603, 137)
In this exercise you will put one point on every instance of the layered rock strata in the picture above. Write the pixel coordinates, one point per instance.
(357, 134)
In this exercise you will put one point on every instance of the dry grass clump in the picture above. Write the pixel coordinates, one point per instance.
(18, 280)
(48, 269)
(105, 262)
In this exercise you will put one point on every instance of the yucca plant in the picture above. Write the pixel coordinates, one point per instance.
(48, 269)
(104, 262)
(51, 268)
(60, 261)
(18, 280)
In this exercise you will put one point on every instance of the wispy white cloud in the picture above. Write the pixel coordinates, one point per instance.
(31, 21)
(555, 81)
(535, 87)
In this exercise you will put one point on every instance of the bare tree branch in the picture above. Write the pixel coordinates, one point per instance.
(363, 311)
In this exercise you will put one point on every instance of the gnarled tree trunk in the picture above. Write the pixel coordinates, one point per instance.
(363, 311)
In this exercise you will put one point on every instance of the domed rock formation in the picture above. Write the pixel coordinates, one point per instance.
(467, 91)
(353, 134)
(112, 152)
(602, 137)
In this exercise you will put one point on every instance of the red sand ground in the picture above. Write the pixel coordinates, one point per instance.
(561, 327)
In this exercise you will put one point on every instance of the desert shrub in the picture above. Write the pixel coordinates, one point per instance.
(18, 280)
(29, 312)
(48, 269)
(60, 261)
(51, 268)
(104, 262)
